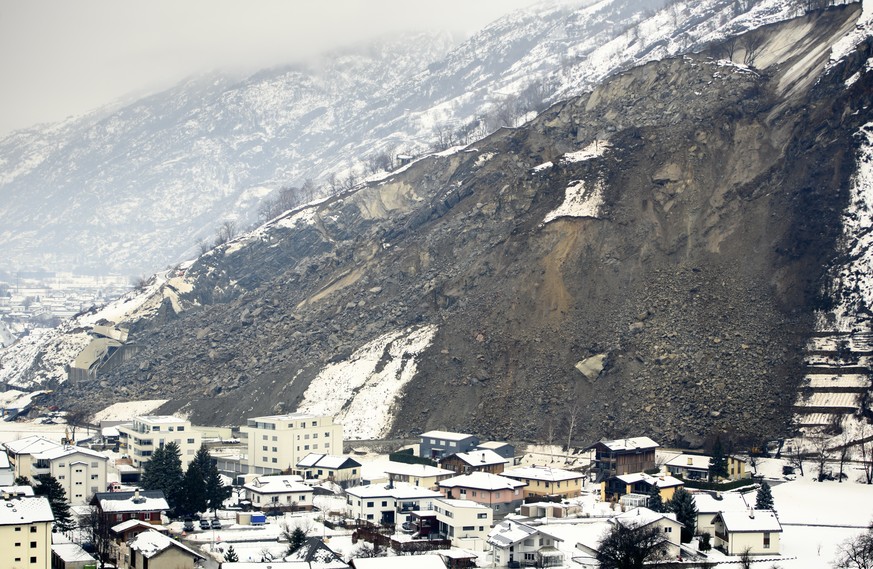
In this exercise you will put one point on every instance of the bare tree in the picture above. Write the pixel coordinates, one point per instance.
(572, 419)
(752, 43)
(75, 418)
(856, 552)
(866, 446)
(844, 451)
(94, 530)
(822, 455)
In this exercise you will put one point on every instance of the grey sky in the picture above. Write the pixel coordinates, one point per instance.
(63, 57)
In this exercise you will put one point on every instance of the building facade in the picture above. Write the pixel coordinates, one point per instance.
(140, 439)
(25, 532)
(547, 481)
(277, 443)
(437, 444)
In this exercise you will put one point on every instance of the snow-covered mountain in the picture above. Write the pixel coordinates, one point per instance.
(133, 187)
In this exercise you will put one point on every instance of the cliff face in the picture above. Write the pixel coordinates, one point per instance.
(666, 234)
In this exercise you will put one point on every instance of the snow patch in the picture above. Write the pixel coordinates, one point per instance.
(127, 410)
(593, 150)
(579, 201)
(361, 391)
(863, 29)
(483, 158)
(541, 167)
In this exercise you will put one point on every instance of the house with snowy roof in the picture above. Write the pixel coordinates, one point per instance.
(499, 493)
(666, 524)
(81, 471)
(755, 531)
(422, 475)
(71, 556)
(27, 520)
(547, 481)
(429, 561)
(515, 543)
(7, 474)
(154, 550)
(696, 467)
(143, 505)
(477, 460)
(437, 444)
(637, 486)
(20, 452)
(622, 456)
(316, 554)
(279, 492)
(503, 448)
(339, 469)
(708, 505)
(382, 503)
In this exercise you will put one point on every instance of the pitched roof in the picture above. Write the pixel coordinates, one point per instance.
(493, 445)
(63, 451)
(628, 444)
(151, 543)
(750, 521)
(126, 525)
(314, 460)
(482, 481)
(509, 532)
(420, 470)
(20, 510)
(445, 435)
(660, 481)
(396, 491)
(30, 445)
(314, 551)
(140, 501)
(641, 517)
(277, 484)
(727, 502)
(71, 552)
(483, 457)
(544, 473)
(690, 461)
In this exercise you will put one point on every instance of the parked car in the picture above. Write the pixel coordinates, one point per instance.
(204, 523)
(188, 525)
(215, 523)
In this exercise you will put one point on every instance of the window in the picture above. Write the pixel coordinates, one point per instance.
(326, 445)
(305, 447)
(326, 435)
(275, 438)
(306, 437)
(17, 544)
(264, 448)
(61, 464)
(33, 544)
(264, 458)
(264, 437)
(190, 441)
(668, 530)
(275, 449)
(370, 504)
(384, 503)
(433, 442)
(315, 423)
(61, 477)
(453, 444)
(766, 540)
(78, 471)
(469, 528)
(32, 529)
(314, 435)
(93, 477)
(33, 559)
(497, 494)
(180, 428)
(315, 446)
(170, 428)
(155, 428)
(93, 465)
(275, 460)
(18, 529)
(481, 516)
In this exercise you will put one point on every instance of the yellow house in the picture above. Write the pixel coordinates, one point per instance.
(25, 531)
(547, 481)
(639, 483)
(154, 550)
(737, 468)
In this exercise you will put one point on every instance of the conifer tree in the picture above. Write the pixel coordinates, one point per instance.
(164, 472)
(682, 504)
(656, 503)
(216, 491)
(764, 499)
(230, 555)
(296, 540)
(192, 498)
(718, 462)
(48, 486)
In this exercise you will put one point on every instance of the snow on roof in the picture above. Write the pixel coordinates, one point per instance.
(482, 457)
(150, 543)
(729, 502)
(71, 552)
(126, 525)
(492, 445)
(60, 452)
(454, 503)
(509, 532)
(397, 491)
(142, 501)
(692, 461)
(30, 445)
(661, 481)
(277, 484)
(25, 510)
(430, 561)
(640, 517)
(445, 435)
(750, 521)
(420, 470)
(326, 461)
(160, 419)
(17, 490)
(272, 564)
(127, 410)
(109, 432)
(482, 481)
(286, 417)
(632, 443)
(4, 460)
(544, 473)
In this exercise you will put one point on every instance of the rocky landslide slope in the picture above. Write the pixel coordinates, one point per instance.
(671, 227)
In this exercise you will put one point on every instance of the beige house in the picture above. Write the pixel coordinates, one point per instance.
(147, 433)
(269, 492)
(547, 481)
(755, 531)
(464, 522)
(154, 550)
(21, 452)
(276, 443)
(422, 475)
(639, 518)
(708, 505)
(25, 532)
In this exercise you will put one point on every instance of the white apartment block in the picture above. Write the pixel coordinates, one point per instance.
(147, 433)
(464, 522)
(25, 532)
(81, 471)
(278, 442)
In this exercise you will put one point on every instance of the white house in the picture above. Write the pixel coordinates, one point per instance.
(21, 452)
(422, 475)
(380, 503)
(7, 475)
(515, 542)
(278, 442)
(81, 471)
(755, 531)
(338, 469)
(140, 439)
(464, 522)
(288, 491)
(639, 518)
(708, 505)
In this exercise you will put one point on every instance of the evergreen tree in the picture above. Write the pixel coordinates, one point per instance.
(718, 466)
(216, 491)
(48, 486)
(164, 472)
(22, 481)
(192, 498)
(764, 499)
(296, 540)
(683, 506)
(656, 503)
(230, 555)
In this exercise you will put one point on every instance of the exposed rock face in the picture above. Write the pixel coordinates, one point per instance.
(720, 193)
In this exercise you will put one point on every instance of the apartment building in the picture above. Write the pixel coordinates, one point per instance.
(81, 471)
(25, 531)
(278, 442)
(147, 433)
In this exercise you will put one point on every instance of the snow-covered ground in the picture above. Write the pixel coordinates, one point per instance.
(127, 410)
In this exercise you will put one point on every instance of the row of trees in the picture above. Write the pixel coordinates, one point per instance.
(198, 489)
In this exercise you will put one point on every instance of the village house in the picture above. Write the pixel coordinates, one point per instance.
(71, 556)
(517, 544)
(633, 489)
(549, 509)
(755, 531)
(427, 561)
(547, 481)
(81, 471)
(502, 448)
(666, 524)
(477, 460)
(623, 456)
(380, 503)
(464, 523)
(25, 531)
(287, 492)
(422, 475)
(314, 554)
(696, 467)
(276, 443)
(437, 444)
(140, 439)
(154, 550)
(20, 453)
(708, 505)
(499, 493)
(340, 469)
(143, 505)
